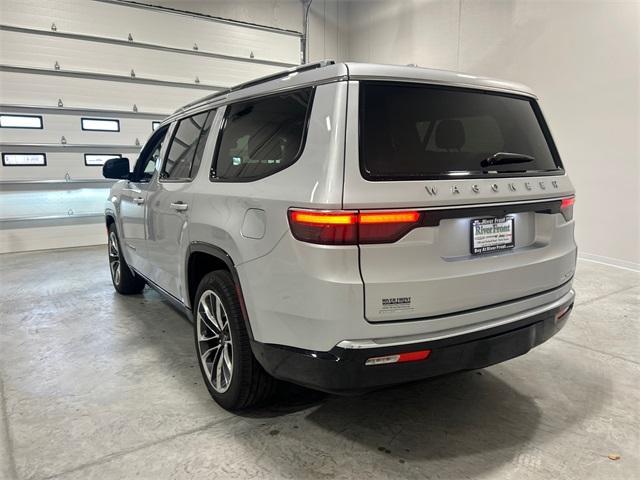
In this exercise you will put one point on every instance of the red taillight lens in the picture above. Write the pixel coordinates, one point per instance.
(567, 202)
(566, 207)
(349, 228)
(386, 227)
(367, 218)
(327, 228)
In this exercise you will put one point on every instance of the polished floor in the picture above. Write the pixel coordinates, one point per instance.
(100, 386)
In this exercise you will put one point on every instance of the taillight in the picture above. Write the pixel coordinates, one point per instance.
(386, 227)
(344, 227)
(327, 228)
(566, 207)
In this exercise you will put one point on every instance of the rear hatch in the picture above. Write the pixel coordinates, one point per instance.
(493, 207)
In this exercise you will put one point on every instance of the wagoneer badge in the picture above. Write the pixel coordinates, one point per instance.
(494, 187)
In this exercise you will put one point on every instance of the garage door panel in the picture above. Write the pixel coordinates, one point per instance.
(90, 44)
(60, 163)
(152, 26)
(69, 126)
(36, 89)
(93, 57)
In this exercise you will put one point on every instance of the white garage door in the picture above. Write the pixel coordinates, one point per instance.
(85, 80)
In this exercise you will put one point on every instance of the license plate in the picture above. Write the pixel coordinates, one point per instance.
(491, 235)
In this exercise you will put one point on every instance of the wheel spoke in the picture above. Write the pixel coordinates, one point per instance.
(208, 352)
(113, 245)
(115, 270)
(219, 313)
(208, 319)
(226, 355)
(218, 367)
(203, 338)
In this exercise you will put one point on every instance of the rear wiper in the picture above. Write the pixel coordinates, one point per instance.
(506, 158)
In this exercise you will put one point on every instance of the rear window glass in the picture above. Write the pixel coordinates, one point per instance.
(422, 132)
(262, 136)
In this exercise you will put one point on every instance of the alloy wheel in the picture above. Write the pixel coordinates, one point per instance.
(215, 346)
(114, 258)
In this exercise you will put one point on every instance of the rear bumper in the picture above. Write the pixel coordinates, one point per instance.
(343, 370)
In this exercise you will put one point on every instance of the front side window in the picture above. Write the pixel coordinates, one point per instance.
(150, 156)
(410, 131)
(262, 136)
(186, 147)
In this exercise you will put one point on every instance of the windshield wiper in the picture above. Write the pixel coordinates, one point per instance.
(506, 158)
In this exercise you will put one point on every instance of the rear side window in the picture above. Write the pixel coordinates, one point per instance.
(425, 132)
(187, 145)
(262, 136)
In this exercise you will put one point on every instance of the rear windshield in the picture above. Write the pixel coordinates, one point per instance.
(425, 132)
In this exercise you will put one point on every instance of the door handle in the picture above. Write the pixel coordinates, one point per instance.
(138, 200)
(179, 206)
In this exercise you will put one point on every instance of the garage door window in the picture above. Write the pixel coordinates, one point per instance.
(98, 159)
(100, 125)
(20, 121)
(24, 160)
(262, 136)
(185, 152)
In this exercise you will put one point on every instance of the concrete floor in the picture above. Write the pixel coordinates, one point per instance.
(96, 385)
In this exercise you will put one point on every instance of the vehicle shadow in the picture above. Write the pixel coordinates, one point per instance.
(458, 415)
(463, 425)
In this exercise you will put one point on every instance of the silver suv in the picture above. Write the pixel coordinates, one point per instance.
(347, 226)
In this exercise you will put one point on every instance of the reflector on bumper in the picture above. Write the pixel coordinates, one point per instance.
(399, 358)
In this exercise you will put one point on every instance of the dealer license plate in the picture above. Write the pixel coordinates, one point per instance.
(491, 234)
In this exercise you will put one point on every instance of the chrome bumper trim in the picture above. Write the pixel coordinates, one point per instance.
(395, 341)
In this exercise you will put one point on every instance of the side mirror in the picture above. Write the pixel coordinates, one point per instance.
(117, 168)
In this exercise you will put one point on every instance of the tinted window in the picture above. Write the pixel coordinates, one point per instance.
(150, 156)
(197, 158)
(416, 131)
(190, 134)
(263, 136)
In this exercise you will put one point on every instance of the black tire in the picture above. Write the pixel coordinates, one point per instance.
(124, 280)
(248, 384)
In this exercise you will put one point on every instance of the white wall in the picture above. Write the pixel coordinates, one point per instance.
(582, 59)
(328, 30)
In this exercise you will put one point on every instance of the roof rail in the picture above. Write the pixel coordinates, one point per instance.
(283, 73)
(258, 81)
